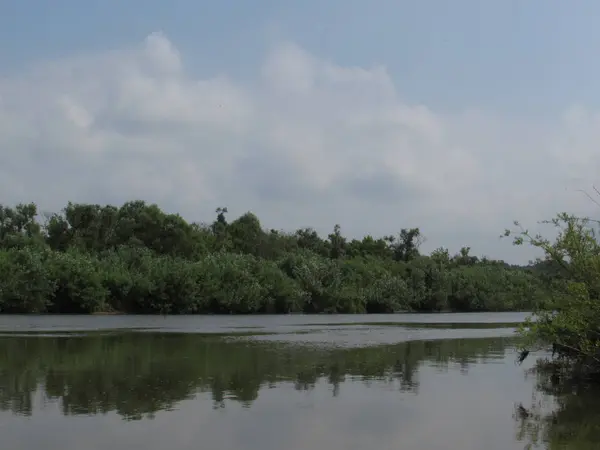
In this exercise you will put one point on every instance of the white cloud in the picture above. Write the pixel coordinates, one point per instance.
(310, 143)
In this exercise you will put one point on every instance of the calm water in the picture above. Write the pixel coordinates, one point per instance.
(420, 382)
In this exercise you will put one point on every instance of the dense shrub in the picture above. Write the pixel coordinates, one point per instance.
(25, 281)
(137, 259)
(568, 320)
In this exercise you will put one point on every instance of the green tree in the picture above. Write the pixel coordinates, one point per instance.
(569, 319)
(406, 247)
(138, 258)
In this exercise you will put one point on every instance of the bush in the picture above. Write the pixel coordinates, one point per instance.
(77, 278)
(569, 320)
(25, 283)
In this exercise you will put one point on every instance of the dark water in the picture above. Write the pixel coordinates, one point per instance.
(422, 382)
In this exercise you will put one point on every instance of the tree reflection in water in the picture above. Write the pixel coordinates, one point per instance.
(563, 414)
(138, 374)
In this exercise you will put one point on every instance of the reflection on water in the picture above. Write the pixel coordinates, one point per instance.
(136, 374)
(561, 415)
(130, 389)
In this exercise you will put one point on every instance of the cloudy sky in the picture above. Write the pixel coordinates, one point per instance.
(456, 117)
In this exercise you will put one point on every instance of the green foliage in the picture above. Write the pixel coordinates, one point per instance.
(78, 283)
(138, 259)
(386, 295)
(25, 284)
(569, 318)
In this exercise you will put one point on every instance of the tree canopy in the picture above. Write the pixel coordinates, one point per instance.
(138, 259)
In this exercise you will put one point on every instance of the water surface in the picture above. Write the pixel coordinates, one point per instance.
(357, 330)
(422, 382)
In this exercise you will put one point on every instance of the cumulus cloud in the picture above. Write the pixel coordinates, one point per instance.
(306, 143)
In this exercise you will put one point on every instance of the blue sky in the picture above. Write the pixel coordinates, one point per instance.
(505, 55)
(457, 117)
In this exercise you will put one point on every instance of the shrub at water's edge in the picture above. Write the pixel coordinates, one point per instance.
(138, 259)
(568, 321)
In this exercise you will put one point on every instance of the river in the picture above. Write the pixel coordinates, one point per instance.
(295, 382)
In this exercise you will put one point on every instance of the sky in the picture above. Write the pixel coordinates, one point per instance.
(455, 117)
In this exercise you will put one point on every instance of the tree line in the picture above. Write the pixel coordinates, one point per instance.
(137, 258)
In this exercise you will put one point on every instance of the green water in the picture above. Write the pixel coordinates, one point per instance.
(279, 382)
